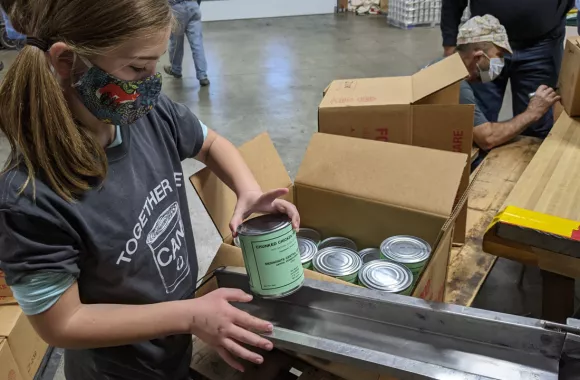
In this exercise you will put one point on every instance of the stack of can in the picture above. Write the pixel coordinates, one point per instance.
(394, 267)
(409, 13)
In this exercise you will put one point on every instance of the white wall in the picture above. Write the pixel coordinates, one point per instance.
(244, 9)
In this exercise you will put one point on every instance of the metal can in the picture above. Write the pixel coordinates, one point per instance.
(308, 250)
(339, 262)
(410, 251)
(386, 276)
(369, 254)
(309, 233)
(337, 242)
(271, 256)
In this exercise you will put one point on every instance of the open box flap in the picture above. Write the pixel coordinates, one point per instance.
(438, 76)
(368, 92)
(406, 176)
(219, 201)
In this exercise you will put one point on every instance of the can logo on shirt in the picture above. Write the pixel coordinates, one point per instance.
(166, 241)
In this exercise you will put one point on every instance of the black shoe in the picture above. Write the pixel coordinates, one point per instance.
(168, 71)
(204, 82)
(1, 65)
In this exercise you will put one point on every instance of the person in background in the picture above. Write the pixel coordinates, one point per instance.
(536, 30)
(96, 238)
(188, 16)
(578, 16)
(482, 44)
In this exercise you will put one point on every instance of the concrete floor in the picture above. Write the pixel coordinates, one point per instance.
(268, 75)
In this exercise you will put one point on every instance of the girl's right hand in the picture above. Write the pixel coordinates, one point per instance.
(224, 327)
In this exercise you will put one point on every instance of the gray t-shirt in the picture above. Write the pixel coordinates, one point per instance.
(466, 96)
(129, 241)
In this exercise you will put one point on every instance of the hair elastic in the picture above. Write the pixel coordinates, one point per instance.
(38, 43)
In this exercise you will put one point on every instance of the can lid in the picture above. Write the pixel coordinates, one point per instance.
(307, 248)
(385, 276)
(309, 233)
(370, 254)
(405, 249)
(337, 241)
(263, 224)
(337, 261)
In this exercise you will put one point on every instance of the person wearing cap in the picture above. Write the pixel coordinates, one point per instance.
(536, 30)
(483, 43)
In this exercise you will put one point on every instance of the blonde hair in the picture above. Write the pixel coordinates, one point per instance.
(34, 114)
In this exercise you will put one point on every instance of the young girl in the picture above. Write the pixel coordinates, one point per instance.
(95, 235)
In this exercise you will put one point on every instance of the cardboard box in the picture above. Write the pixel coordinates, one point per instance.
(8, 368)
(569, 82)
(26, 346)
(361, 189)
(421, 110)
(4, 288)
(384, 5)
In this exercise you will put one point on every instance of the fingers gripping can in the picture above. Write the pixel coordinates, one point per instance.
(271, 256)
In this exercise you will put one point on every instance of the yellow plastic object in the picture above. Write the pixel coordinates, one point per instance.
(537, 221)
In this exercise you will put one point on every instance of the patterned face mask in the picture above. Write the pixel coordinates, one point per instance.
(115, 101)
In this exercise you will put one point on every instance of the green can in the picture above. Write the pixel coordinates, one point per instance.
(309, 233)
(271, 255)
(339, 262)
(410, 251)
(386, 276)
(308, 250)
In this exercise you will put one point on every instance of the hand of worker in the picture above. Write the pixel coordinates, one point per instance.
(225, 328)
(544, 98)
(448, 50)
(251, 202)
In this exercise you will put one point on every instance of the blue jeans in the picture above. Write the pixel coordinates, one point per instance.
(527, 69)
(188, 15)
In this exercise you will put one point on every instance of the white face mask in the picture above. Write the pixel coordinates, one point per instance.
(495, 68)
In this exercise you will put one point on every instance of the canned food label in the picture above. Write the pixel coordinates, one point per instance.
(350, 278)
(273, 262)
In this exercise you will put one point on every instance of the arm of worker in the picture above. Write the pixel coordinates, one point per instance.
(41, 266)
(194, 139)
(489, 135)
(451, 13)
(224, 159)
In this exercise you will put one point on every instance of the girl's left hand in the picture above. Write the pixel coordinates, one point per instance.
(267, 203)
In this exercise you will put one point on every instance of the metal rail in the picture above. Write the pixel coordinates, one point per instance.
(410, 338)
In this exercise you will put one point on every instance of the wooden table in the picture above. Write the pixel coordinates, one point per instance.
(547, 202)
(468, 264)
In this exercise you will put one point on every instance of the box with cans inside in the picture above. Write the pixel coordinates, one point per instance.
(373, 213)
(406, 14)
(393, 267)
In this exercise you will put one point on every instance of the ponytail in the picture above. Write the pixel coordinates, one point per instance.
(42, 133)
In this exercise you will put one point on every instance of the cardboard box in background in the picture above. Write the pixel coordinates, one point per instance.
(384, 5)
(8, 368)
(26, 346)
(4, 288)
(569, 82)
(361, 189)
(421, 110)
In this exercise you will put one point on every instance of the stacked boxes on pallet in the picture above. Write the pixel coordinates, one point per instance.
(407, 14)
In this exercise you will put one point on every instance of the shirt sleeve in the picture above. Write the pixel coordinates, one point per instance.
(188, 131)
(451, 13)
(31, 248)
(466, 96)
